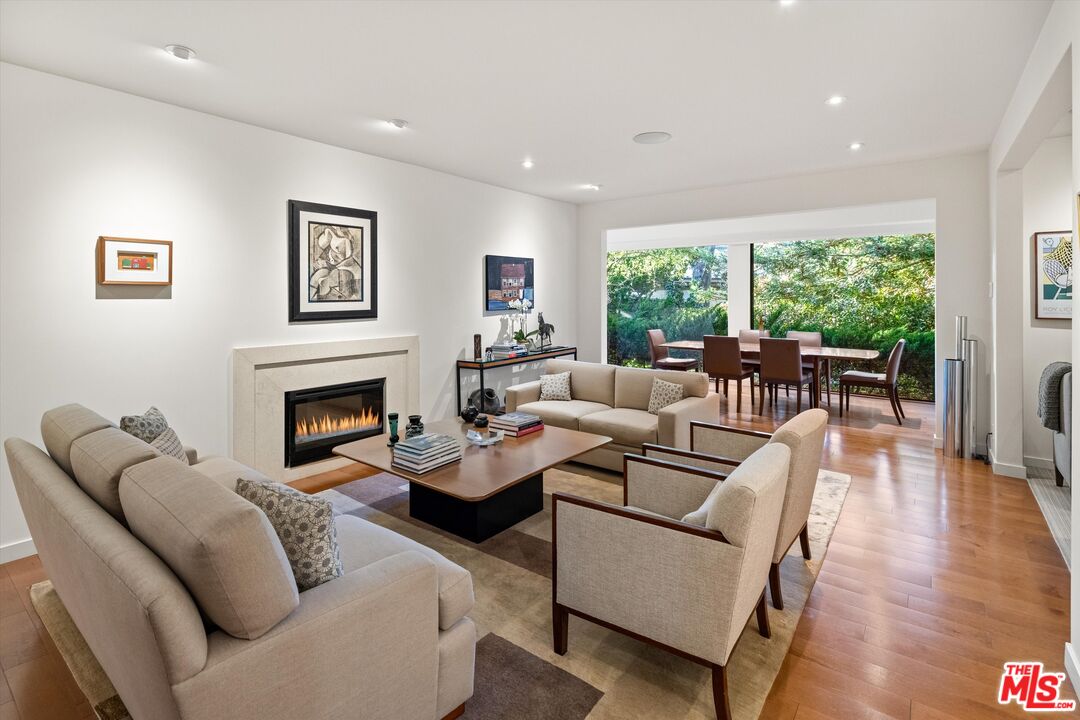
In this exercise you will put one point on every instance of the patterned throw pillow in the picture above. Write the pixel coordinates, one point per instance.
(664, 393)
(555, 387)
(152, 427)
(304, 524)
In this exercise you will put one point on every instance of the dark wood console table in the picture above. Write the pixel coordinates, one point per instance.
(480, 365)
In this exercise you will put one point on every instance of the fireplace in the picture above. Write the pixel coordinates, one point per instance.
(317, 419)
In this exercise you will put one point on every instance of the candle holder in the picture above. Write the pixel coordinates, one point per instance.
(392, 418)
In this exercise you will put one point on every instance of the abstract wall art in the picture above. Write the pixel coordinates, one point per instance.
(1053, 262)
(131, 261)
(332, 263)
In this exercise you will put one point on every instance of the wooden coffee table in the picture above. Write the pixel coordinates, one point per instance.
(491, 489)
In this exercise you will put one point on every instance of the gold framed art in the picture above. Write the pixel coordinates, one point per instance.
(133, 261)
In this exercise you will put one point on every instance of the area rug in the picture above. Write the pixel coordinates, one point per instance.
(604, 676)
(512, 580)
(510, 681)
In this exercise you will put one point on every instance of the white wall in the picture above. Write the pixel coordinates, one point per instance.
(1048, 199)
(958, 185)
(80, 161)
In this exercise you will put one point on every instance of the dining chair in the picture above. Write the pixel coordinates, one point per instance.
(882, 381)
(751, 337)
(660, 356)
(807, 338)
(723, 361)
(781, 364)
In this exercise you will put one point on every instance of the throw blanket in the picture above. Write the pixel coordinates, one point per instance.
(1050, 394)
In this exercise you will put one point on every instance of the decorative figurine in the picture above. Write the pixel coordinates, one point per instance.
(415, 427)
(469, 413)
(476, 347)
(481, 422)
(545, 330)
(392, 418)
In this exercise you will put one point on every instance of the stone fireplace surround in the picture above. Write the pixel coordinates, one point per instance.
(262, 376)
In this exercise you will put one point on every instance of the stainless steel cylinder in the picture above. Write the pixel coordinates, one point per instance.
(971, 391)
(953, 440)
(961, 334)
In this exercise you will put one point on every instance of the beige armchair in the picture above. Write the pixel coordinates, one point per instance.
(640, 570)
(721, 449)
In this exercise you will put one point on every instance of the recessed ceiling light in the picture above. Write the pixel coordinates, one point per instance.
(835, 100)
(855, 146)
(787, 3)
(653, 137)
(591, 186)
(180, 52)
(527, 163)
(398, 123)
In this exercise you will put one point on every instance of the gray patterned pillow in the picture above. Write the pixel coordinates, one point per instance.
(555, 387)
(304, 524)
(664, 393)
(152, 427)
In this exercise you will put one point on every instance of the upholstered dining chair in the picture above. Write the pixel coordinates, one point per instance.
(882, 381)
(721, 449)
(722, 360)
(612, 564)
(751, 337)
(781, 364)
(660, 356)
(807, 338)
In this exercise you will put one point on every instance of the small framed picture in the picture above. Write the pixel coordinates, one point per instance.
(1053, 257)
(507, 279)
(131, 261)
(333, 271)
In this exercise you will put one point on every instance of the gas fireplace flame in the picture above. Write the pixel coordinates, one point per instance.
(310, 428)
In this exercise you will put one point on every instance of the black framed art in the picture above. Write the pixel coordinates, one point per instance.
(333, 270)
(506, 279)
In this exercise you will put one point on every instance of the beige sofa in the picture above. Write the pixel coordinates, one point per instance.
(614, 401)
(388, 639)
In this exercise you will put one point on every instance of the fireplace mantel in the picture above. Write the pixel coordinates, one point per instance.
(262, 376)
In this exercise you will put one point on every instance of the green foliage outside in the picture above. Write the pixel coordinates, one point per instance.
(858, 292)
(682, 291)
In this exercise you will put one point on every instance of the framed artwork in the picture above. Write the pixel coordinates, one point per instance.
(1053, 275)
(506, 279)
(131, 261)
(333, 270)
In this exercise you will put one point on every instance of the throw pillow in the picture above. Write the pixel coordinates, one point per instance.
(152, 427)
(555, 387)
(304, 524)
(664, 393)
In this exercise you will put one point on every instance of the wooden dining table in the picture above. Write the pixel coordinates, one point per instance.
(815, 355)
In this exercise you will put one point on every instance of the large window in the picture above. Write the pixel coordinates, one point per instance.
(682, 291)
(858, 292)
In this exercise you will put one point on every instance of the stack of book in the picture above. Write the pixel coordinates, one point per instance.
(501, 351)
(517, 424)
(424, 453)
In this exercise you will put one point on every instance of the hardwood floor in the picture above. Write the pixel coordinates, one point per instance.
(937, 574)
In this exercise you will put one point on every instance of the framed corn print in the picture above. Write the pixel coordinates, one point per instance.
(1053, 275)
(131, 261)
(333, 273)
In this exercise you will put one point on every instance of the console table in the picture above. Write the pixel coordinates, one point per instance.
(480, 365)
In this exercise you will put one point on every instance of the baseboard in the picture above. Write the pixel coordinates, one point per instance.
(17, 550)
(1008, 469)
(1072, 666)
(1038, 462)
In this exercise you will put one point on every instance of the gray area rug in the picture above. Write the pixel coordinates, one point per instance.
(1056, 505)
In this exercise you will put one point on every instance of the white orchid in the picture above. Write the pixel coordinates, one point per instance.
(514, 304)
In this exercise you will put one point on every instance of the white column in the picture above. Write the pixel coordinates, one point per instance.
(738, 289)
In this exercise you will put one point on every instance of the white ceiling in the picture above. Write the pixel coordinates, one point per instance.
(740, 84)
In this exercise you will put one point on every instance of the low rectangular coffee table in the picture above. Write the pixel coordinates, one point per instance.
(491, 489)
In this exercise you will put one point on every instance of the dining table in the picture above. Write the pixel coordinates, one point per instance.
(814, 355)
